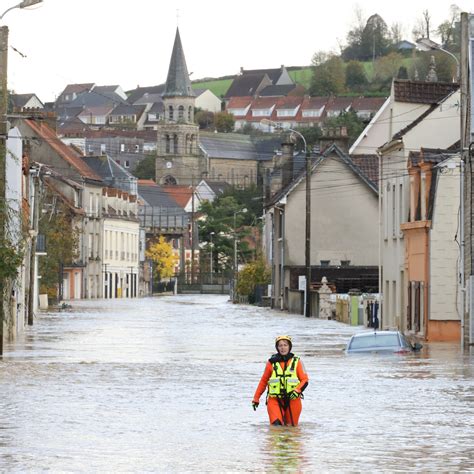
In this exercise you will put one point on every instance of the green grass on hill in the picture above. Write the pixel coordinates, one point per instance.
(219, 87)
(302, 76)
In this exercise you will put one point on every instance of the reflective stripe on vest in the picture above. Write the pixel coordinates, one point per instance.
(282, 382)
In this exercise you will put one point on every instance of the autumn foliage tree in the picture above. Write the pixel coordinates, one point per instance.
(162, 255)
(253, 274)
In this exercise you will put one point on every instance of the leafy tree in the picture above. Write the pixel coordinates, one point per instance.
(312, 135)
(62, 243)
(162, 255)
(145, 169)
(224, 122)
(445, 65)
(449, 30)
(354, 38)
(386, 68)
(328, 76)
(205, 119)
(356, 80)
(354, 124)
(254, 273)
(375, 41)
(402, 73)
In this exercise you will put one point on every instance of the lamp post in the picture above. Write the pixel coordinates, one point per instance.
(307, 152)
(425, 44)
(3, 141)
(210, 266)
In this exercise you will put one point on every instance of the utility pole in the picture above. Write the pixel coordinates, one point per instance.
(308, 234)
(32, 294)
(3, 161)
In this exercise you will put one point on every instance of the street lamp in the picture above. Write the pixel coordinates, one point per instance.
(307, 152)
(425, 44)
(211, 234)
(236, 272)
(23, 4)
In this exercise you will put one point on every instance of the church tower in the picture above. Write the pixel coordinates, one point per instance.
(178, 160)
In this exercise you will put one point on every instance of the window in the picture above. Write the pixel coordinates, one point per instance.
(102, 149)
(345, 263)
(168, 145)
(126, 164)
(180, 112)
(170, 113)
(175, 144)
(122, 147)
(190, 114)
(325, 263)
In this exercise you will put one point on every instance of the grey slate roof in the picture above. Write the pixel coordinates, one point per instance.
(238, 147)
(245, 85)
(274, 73)
(315, 162)
(155, 196)
(111, 172)
(177, 82)
(139, 92)
(126, 109)
(277, 91)
(20, 100)
(97, 99)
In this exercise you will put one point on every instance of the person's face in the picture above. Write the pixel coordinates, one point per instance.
(283, 347)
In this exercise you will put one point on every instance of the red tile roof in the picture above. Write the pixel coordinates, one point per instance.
(181, 194)
(421, 92)
(49, 136)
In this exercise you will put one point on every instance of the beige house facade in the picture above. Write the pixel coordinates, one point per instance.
(344, 221)
(436, 127)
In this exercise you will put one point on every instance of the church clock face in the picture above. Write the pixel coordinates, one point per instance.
(169, 164)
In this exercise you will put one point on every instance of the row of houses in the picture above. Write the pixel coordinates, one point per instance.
(384, 215)
(294, 112)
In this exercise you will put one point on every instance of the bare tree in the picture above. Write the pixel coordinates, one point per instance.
(422, 28)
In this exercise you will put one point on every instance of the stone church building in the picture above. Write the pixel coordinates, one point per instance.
(185, 156)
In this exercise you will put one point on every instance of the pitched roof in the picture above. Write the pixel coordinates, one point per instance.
(177, 82)
(277, 91)
(96, 110)
(219, 187)
(274, 73)
(181, 194)
(126, 109)
(316, 162)
(238, 147)
(97, 99)
(20, 100)
(139, 92)
(155, 196)
(368, 103)
(421, 92)
(430, 155)
(49, 136)
(245, 85)
(77, 88)
(239, 102)
(369, 166)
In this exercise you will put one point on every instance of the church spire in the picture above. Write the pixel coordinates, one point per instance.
(177, 82)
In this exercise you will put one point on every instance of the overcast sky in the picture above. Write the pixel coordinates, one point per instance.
(129, 42)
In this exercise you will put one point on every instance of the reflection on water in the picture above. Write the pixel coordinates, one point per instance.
(284, 449)
(164, 385)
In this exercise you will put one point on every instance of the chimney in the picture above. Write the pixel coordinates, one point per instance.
(286, 163)
(336, 135)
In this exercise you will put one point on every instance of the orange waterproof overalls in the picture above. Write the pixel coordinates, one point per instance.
(287, 412)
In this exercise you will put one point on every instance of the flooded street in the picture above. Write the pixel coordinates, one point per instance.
(165, 384)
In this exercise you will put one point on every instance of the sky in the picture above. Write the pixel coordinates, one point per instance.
(110, 42)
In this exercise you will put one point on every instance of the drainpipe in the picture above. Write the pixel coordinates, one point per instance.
(282, 260)
(380, 189)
